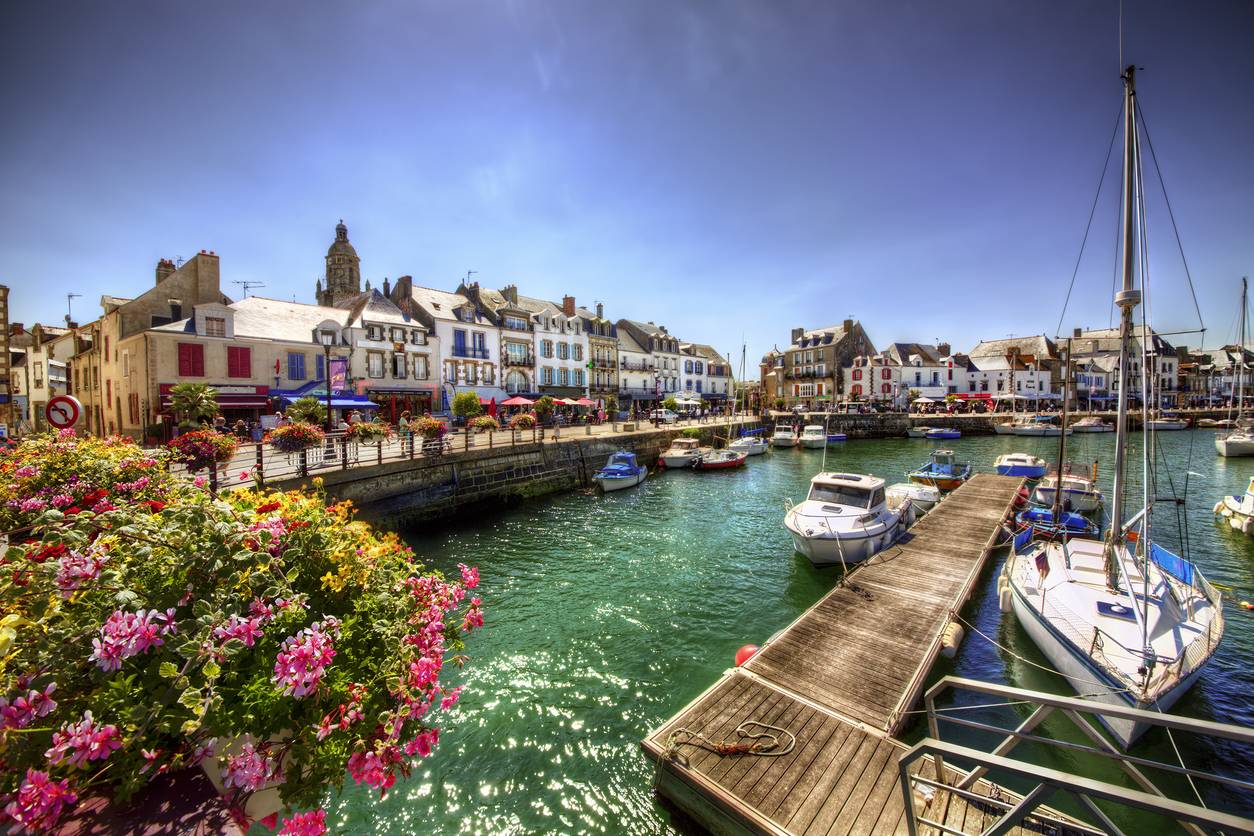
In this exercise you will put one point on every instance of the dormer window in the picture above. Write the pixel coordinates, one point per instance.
(215, 326)
(374, 332)
(418, 338)
(326, 337)
(467, 315)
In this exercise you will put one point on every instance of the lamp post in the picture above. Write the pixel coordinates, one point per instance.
(327, 339)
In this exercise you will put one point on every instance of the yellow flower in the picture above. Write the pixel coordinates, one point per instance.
(8, 631)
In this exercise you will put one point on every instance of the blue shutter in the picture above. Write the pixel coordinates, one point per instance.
(320, 367)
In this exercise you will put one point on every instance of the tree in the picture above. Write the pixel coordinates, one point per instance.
(466, 405)
(193, 403)
(779, 403)
(611, 405)
(671, 404)
(543, 408)
(308, 410)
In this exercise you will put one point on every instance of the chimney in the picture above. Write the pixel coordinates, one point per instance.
(797, 334)
(1075, 334)
(510, 292)
(164, 268)
(568, 305)
(943, 349)
(848, 325)
(16, 329)
(600, 311)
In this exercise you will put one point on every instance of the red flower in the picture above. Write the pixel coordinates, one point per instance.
(268, 507)
(155, 505)
(94, 496)
(72, 510)
(53, 552)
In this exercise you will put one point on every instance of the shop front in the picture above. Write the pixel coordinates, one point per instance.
(393, 403)
(236, 402)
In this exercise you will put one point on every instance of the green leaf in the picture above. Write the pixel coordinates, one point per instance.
(211, 669)
(168, 670)
(190, 698)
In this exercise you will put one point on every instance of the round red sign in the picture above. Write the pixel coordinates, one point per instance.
(63, 411)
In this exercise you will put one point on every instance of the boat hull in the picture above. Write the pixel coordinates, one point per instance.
(1075, 500)
(720, 463)
(1004, 429)
(829, 551)
(1234, 447)
(677, 461)
(1026, 471)
(945, 483)
(917, 432)
(1041, 432)
(618, 483)
(814, 443)
(783, 442)
(835, 438)
(1161, 426)
(1090, 428)
(749, 449)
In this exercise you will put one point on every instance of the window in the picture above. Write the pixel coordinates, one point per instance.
(295, 365)
(563, 377)
(546, 375)
(563, 351)
(688, 385)
(885, 374)
(132, 407)
(700, 369)
(459, 343)
(516, 323)
(374, 364)
(374, 332)
(39, 374)
(106, 342)
(546, 349)
(480, 344)
(215, 326)
(698, 387)
(418, 338)
(399, 366)
(398, 335)
(108, 390)
(320, 366)
(576, 377)
(239, 361)
(191, 360)
(577, 351)
(857, 374)
(422, 368)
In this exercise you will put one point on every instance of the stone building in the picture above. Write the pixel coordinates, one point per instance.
(46, 350)
(648, 363)
(343, 272)
(7, 413)
(809, 372)
(602, 354)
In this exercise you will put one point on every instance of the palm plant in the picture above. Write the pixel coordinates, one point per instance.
(193, 403)
(307, 410)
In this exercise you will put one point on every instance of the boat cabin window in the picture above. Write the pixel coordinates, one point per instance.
(846, 495)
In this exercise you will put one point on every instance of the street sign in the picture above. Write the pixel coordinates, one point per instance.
(63, 412)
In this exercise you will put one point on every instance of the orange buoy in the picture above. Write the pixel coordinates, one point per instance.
(745, 653)
(1245, 604)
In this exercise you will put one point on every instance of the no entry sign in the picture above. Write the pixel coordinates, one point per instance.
(63, 412)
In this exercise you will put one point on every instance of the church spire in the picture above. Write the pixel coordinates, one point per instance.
(343, 271)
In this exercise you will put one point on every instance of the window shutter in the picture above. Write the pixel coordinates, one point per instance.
(185, 360)
(198, 360)
(320, 362)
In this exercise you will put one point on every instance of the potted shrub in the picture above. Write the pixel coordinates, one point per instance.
(432, 431)
(202, 449)
(485, 424)
(294, 437)
(543, 409)
(193, 403)
(466, 406)
(522, 421)
(268, 631)
(370, 432)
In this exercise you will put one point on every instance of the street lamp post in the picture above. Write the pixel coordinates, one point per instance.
(326, 367)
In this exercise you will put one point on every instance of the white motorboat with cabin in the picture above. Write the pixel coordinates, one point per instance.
(682, 453)
(917, 432)
(845, 519)
(1239, 441)
(750, 445)
(1166, 421)
(1041, 427)
(1125, 621)
(814, 436)
(1005, 428)
(784, 436)
(1079, 493)
(1092, 424)
(922, 497)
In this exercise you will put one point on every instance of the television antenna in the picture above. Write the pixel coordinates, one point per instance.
(247, 285)
(69, 303)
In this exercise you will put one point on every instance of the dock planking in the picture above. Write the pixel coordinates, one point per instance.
(840, 678)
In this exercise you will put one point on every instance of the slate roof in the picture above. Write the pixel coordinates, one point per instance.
(259, 318)
(438, 303)
(1037, 345)
(373, 306)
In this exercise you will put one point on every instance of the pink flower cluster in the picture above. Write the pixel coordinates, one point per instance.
(304, 657)
(250, 770)
(126, 634)
(23, 710)
(347, 714)
(313, 823)
(77, 568)
(470, 575)
(276, 527)
(39, 802)
(377, 767)
(82, 742)
(26, 472)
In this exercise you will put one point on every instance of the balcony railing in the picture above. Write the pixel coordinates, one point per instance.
(471, 352)
(514, 360)
(602, 363)
(635, 367)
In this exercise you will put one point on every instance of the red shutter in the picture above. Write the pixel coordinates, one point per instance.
(185, 360)
(198, 360)
(239, 362)
(191, 360)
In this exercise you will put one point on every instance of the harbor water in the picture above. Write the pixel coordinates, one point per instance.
(607, 614)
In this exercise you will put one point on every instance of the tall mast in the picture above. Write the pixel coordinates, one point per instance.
(1127, 299)
(1062, 438)
(1241, 358)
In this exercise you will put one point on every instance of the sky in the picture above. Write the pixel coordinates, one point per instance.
(728, 169)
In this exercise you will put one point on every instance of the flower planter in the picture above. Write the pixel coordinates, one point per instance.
(260, 803)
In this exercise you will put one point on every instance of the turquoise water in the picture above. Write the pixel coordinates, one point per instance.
(607, 614)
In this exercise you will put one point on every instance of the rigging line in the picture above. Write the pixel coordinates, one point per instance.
(1172, 215)
(1092, 211)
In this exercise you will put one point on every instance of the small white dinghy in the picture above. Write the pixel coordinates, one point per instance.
(922, 497)
(621, 471)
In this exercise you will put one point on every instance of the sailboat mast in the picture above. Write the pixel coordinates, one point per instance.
(1241, 357)
(1062, 437)
(1127, 299)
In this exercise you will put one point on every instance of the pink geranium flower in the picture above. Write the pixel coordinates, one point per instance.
(83, 741)
(304, 658)
(313, 823)
(39, 802)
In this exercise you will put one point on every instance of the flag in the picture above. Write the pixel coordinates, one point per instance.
(338, 373)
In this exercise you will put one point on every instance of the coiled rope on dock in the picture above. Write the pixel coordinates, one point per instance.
(770, 742)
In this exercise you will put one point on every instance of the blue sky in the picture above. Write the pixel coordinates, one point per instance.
(725, 169)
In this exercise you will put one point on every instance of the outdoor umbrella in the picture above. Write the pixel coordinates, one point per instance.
(492, 407)
(585, 402)
(517, 400)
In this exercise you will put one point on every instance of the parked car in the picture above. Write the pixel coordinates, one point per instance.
(663, 415)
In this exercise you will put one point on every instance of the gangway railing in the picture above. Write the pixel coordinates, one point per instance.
(1003, 814)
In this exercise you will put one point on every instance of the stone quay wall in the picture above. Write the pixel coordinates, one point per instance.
(404, 493)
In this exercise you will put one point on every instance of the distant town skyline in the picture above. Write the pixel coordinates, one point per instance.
(727, 170)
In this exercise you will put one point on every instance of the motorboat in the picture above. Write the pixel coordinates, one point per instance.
(1005, 428)
(1238, 511)
(1092, 424)
(719, 460)
(1078, 492)
(1040, 427)
(845, 519)
(922, 497)
(941, 471)
(750, 445)
(621, 471)
(942, 434)
(682, 453)
(1167, 422)
(784, 436)
(836, 438)
(1216, 423)
(1239, 441)
(918, 432)
(1124, 620)
(1020, 464)
(1069, 523)
(814, 437)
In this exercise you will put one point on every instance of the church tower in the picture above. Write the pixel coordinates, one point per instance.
(343, 279)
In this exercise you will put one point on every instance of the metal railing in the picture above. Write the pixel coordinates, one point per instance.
(470, 351)
(998, 761)
(512, 360)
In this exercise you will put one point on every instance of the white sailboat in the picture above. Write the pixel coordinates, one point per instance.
(1240, 441)
(1124, 620)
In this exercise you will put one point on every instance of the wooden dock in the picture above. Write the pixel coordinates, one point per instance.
(841, 678)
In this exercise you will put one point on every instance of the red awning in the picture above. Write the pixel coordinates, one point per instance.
(585, 402)
(231, 402)
(517, 400)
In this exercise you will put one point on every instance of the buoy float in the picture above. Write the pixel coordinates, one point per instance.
(1004, 600)
(1247, 605)
(745, 653)
(951, 639)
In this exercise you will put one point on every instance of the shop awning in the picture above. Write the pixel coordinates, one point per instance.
(337, 401)
(230, 402)
(517, 400)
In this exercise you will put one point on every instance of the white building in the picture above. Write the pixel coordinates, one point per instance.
(637, 380)
(990, 378)
(662, 350)
(705, 374)
(1103, 344)
(875, 377)
(921, 369)
(561, 350)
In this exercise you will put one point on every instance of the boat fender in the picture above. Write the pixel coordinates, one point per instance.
(746, 653)
(1218, 507)
(951, 638)
(1004, 599)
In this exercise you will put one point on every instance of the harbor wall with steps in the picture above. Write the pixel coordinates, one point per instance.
(405, 493)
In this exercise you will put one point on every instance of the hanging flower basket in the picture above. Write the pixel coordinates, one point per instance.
(429, 428)
(203, 449)
(485, 424)
(522, 421)
(292, 438)
(370, 431)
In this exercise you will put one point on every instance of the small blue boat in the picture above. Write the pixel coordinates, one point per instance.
(942, 471)
(621, 471)
(1071, 524)
(833, 438)
(1021, 464)
(942, 433)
